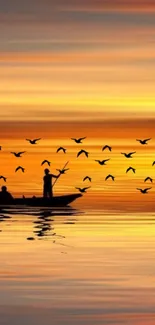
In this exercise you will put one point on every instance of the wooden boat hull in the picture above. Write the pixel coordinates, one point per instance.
(57, 201)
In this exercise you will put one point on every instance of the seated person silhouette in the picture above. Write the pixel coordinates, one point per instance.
(5, 196)
(47, 190)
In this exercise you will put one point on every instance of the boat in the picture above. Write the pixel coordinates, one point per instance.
(57, 201)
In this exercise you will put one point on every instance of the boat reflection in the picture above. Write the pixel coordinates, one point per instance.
(44, 225)
(43, 220)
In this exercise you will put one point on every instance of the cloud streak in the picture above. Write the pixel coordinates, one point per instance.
(94, 57)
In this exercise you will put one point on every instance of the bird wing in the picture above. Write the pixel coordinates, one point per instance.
(147, 139)
(37, 139)
(86, 188)
(139, 189)
(48, 162)
(107, 147)
(138, 140)
(82, 138)
(148, 188)
(79, 153)
(132, 152)
(28, 140)
(87, 177)
(4, 178)
(60, 148)
(21, 152)
(17, 169)
(43, 162)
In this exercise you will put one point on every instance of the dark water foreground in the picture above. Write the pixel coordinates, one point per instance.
(77, 267)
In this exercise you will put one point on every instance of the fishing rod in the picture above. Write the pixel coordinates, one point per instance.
(60, 174)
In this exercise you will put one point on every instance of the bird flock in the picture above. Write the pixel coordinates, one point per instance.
(103, 162)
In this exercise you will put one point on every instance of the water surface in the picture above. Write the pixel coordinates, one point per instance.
(77, 267)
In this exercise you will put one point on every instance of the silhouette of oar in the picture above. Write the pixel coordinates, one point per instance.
(60, 174)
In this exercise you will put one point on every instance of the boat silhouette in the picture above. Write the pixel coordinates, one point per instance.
(56, 201)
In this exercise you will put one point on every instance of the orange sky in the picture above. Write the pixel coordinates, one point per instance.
(120, 134)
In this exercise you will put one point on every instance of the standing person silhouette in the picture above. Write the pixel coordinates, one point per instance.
(47, 189)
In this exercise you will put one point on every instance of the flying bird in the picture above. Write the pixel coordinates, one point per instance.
(4, 178)
(78, 140)
(128, 155)
(62, 171)
(34, 141)
(153, 163)
(87, 177)
(110, 176)
(148, 179)
(144, 191)
(82, 190)
(0, 147)
(18, 154)
(143, 141)
(61, 148)
(131, 168)
(83, 151)
(20, 167)
(46, 162)
(107, 147)
(102, 162)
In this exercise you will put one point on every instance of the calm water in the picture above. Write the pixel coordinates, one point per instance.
(77, 267)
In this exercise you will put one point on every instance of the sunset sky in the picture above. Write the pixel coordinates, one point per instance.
(72, 69)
